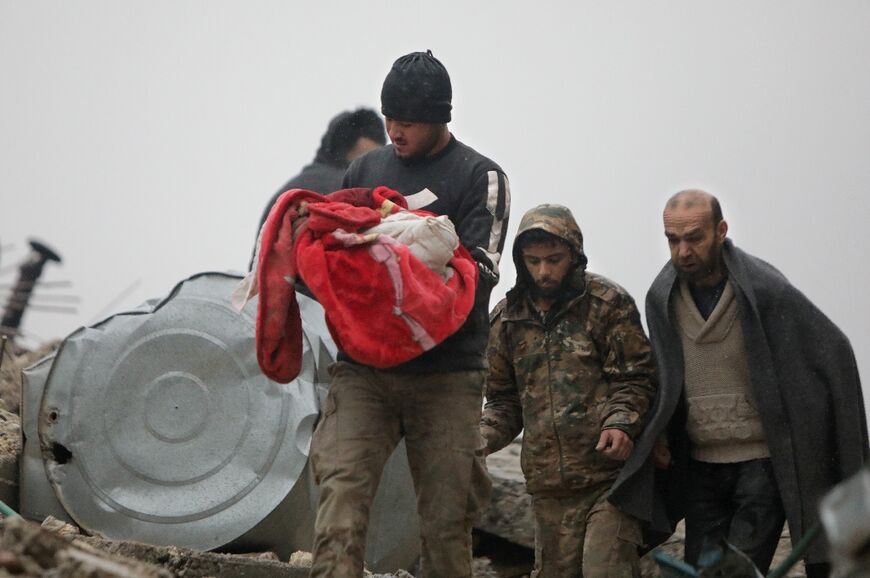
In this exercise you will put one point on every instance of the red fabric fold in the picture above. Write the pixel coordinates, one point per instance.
(383, 306)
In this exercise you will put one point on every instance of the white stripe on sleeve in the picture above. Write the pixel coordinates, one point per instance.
(495, 193)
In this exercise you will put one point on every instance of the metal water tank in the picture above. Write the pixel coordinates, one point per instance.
(157, 425)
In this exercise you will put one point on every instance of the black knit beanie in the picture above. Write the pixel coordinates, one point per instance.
(417, 89)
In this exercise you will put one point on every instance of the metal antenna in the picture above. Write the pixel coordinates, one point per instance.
(31, 284)
(114, 302)
(28, 275)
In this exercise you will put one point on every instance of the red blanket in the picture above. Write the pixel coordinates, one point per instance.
(383, 306)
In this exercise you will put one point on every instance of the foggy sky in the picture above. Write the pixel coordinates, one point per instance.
(141, 140)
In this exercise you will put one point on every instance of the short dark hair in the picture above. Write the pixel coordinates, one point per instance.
(366, 123)
(540, 237)
(343, 132)
(716, 208)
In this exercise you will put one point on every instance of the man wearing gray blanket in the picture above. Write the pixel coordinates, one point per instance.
(759, 409)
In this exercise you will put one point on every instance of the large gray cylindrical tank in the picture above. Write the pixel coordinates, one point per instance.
(157, 425)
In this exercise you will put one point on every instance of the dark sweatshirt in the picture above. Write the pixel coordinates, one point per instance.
(474, 193)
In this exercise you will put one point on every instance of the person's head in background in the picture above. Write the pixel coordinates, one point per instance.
(351, 134)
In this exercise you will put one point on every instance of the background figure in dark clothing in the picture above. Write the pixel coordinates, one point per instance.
(348, 136)
(759, 397)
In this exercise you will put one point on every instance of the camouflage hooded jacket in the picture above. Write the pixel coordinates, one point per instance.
(586, 367)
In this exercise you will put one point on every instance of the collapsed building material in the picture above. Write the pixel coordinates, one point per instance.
(29, 550)
(509, 515)
(10, 373)
(10, 451)
(57, 549)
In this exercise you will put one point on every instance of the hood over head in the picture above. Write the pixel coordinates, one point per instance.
(556, 220)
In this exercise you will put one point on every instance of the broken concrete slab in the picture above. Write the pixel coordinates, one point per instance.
(58, 549)
(509, 515)
(196, 564)
(10, 373)
(30, 550)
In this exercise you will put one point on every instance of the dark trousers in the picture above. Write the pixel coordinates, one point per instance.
(739, 502)
(818, 570)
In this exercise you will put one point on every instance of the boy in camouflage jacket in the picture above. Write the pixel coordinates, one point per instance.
(569, 364)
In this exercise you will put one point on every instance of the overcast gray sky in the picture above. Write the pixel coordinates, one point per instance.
(142, 139)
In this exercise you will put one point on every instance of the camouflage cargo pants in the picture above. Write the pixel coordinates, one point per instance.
(364, 417)
(583, 535)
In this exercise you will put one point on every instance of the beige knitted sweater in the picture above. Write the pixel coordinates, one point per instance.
(723, 424)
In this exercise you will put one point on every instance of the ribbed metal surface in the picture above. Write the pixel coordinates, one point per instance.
(37, 498)
(162, 428)
(156, 425)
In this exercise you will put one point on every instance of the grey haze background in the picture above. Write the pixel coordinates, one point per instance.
(142, 139)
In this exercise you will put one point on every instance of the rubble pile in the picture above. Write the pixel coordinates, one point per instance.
(510, 518)
(10, 450)
(504, 537)
(59, 549)
(26, 549)
(10, 373)
(196, 564)
(510, 513)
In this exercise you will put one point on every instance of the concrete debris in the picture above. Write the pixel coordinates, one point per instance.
(10, 374)
(30, 550)
(10, 383)
(10, 453)
(509, 515)
(60, 527)
(57, 549)
(510, 518)
(504, 535)
(262, 556)
(300, 559)
(196, 564)
(303, 560)
(482, 568)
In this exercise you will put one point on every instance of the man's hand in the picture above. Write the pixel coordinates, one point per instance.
(615, 444)
(661, 456)
(485, 433)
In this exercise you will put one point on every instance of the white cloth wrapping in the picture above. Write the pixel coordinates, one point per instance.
(429, 238)
(432, 239)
